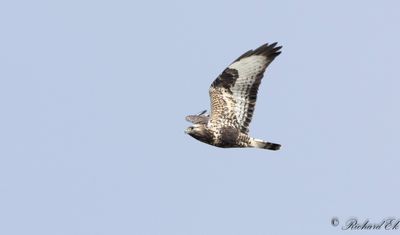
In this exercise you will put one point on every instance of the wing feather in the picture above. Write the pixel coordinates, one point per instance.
(233, 94)
(201, 118)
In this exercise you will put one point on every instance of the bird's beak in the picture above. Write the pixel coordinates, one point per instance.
(187, 131)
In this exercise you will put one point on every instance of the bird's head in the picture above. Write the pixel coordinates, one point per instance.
(200, 132)
(195, 129)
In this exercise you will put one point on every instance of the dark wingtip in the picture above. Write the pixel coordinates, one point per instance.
(202, 112)
(269, 50)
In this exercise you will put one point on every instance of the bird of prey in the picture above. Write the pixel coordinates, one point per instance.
(233, 98)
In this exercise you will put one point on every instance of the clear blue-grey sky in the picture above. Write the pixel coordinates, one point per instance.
(93, 96)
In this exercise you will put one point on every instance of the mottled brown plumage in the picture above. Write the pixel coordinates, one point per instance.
(233, 97)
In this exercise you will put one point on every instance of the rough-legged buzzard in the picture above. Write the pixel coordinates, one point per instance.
(233, 98)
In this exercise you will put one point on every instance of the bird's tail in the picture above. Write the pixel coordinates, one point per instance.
(256, 143)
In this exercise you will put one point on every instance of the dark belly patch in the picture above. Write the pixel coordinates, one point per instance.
(228, 137)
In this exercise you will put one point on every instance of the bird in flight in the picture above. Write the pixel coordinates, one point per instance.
(233, 98)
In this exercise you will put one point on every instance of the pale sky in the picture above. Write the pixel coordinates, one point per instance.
(93, 96)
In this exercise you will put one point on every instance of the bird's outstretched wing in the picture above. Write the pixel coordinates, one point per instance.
(233, 94)
(200, 118)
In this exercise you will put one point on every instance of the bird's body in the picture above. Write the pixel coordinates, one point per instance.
(233, 97)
